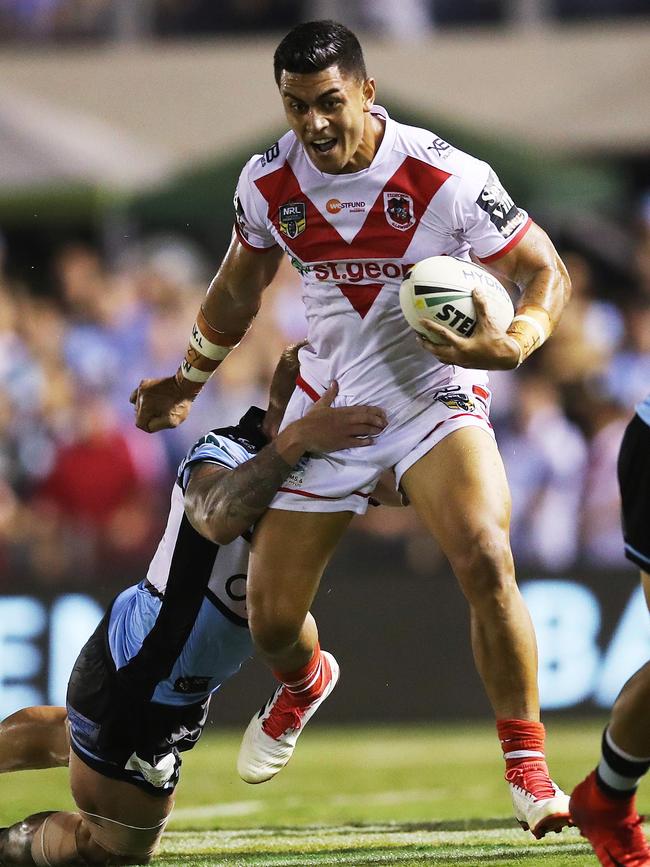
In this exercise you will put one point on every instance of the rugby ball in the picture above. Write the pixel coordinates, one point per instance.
(440, 288)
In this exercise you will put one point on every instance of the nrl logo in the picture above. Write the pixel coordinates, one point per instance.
(292, 218)
(398, 208)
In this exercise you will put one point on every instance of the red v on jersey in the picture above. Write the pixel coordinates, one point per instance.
(361, 296)
(320, 242)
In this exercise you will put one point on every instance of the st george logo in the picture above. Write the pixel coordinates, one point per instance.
(399, 211)
(292, 218)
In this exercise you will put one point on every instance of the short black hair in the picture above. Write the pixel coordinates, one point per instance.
(315, 45)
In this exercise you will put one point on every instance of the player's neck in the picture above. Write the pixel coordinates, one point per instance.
(373, 133)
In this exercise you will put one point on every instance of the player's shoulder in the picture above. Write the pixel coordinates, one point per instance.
(228, 447)
(430, 148)
(272, 158)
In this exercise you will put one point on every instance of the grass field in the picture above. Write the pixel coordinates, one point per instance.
(355, 796)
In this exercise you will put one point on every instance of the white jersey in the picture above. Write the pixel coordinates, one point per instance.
(354, 236)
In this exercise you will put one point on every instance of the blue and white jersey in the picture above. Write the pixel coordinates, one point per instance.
(643, 410)
(181, 632)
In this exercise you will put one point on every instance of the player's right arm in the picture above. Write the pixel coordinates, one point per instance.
(222, 504)
(233, 299)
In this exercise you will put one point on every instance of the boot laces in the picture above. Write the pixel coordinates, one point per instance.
(532, 778)
(285, 716)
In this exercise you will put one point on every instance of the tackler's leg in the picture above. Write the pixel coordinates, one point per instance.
(34, 737)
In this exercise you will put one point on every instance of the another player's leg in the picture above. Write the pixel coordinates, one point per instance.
(460, 492)
(603, 805)
(290, 552)
(34, 737)
(117, 823)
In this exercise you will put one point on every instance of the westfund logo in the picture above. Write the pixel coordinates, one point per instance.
(335, 206)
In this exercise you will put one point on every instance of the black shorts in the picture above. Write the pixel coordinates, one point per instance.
(110, 728)
(634, 481)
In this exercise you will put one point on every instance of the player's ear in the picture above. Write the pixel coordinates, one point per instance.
(369, 92)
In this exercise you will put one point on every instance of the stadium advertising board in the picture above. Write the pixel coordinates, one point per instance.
(592, 633)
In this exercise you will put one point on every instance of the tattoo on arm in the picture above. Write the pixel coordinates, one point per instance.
(225, 505)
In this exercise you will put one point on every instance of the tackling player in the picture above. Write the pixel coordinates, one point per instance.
(139, 692)
(355, 199)
(603, 805)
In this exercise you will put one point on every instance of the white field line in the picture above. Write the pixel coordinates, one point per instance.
(314, 839)
(248, 808)
(214, 811)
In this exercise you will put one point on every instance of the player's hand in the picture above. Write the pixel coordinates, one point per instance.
(488, 348)
(327, 429)
(159, 404)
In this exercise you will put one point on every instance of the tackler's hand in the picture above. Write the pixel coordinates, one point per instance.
(159, 404)
(488, 347)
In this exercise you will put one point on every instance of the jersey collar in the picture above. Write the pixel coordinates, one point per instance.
(250, 427)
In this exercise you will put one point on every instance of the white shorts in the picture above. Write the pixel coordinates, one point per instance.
(343, 481)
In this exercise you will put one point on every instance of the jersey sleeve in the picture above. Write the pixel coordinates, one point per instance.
(251, 223)
(485, 213)
(213, 449)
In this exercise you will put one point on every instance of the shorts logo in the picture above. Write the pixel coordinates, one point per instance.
(191, 684)
(398, 208)
(296, 477)
(293, 219)
(457, 400)
(500, 208)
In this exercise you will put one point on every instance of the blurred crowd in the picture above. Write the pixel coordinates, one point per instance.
(75, 20)
(84, 494)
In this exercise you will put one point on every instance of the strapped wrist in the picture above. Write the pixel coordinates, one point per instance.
(530, 328)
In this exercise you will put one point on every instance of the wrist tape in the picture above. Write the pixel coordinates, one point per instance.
(529, 329)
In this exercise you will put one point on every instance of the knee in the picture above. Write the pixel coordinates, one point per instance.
(484, 566)
(274, 629)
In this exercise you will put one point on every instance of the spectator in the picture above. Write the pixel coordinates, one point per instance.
(545, 458)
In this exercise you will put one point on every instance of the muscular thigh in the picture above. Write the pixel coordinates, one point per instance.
(289, 553)
(459, 489)
(120, 817)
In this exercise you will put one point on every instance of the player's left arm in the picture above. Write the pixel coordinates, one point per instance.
(535, 266)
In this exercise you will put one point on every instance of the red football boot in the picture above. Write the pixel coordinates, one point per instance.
(612, 827)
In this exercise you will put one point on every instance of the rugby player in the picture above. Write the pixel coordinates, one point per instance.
(139, 692)
(603, 805)
(355, 199)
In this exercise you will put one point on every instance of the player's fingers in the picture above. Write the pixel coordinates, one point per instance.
(481, 306)
(444, 335)
(480, 302)
(374, 415)
(359, 442)
(428, 346)
(446, 354)
(329, 395)
(362, 429)
(134, 395)
(361, 416)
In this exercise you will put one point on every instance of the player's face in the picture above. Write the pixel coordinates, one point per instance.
(329, 111)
